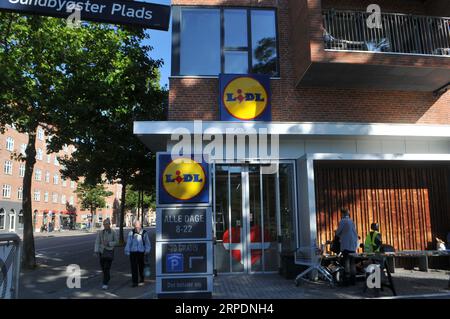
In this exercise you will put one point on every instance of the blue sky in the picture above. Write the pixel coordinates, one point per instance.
(161, 43)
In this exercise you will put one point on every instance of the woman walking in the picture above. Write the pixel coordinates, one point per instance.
(104, 249)
(138, 245)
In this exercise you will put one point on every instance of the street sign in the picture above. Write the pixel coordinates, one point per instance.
(183, 285)
(184, 258)
(184, 223)
(134, 13)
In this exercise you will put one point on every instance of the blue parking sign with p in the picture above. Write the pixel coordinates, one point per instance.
(174, 262)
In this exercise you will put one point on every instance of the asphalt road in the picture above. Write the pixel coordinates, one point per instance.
(54, 254)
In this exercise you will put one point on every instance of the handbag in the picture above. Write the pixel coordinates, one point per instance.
(108, 254)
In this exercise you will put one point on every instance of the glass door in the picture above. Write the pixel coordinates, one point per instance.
(247, 221)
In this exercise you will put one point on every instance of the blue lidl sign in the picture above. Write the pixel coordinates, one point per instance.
(245, 97)
(182, 180)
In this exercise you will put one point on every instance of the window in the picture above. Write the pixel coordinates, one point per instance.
(7, 168)
(64, 182)
(63, 199)
(235, 41)
(47, 176)
(39, 154)
(54, 197)
(264, 42)
(200, 42)
(46, 197)
(72, 184)
(71, 200)
(2, 219)
(49, 158)
(40, 134)
(6, 191)
(38, 175)
(55, 161)
(23, 149)
(10, 144)
(224, 40)
(22, 170)
(37, 196)
(55, 179)
(20, 193)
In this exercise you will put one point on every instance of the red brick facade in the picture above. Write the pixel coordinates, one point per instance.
(301, 43)
(53, 193)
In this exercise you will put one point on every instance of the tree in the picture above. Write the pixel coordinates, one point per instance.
(79, 85)
(92, 197)
(31, 53)
(139, 200)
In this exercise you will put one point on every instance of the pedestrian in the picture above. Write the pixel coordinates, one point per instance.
(348, 239)
(104, 249)
(373, 240)
(138, 245)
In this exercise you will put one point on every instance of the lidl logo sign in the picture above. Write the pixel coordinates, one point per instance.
(182, 180)
(244, 97)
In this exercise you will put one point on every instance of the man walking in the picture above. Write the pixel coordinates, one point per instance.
(348, 239)
(138, 245)
(104, 247)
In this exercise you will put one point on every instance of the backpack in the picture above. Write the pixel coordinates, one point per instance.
(143, 234)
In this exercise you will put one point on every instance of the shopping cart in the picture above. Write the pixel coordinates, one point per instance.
(312, 258)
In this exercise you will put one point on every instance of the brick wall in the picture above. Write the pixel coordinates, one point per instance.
(197, 98)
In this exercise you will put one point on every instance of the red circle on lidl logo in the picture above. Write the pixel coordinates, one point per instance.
(184, 178)
(245, 98)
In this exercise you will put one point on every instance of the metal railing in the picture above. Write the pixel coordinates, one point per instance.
(10, 255)
(398, 33)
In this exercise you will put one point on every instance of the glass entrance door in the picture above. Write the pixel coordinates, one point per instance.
(247, 219)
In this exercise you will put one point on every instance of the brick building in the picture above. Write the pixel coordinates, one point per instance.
(361, 112)
(50, 192)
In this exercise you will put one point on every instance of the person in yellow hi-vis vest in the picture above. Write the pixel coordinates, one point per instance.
(373, 240)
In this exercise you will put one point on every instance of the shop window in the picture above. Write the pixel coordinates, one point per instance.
(21, 219)
(2, 219)
(224, 40)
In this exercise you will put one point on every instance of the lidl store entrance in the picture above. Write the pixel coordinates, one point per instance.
(253, 216)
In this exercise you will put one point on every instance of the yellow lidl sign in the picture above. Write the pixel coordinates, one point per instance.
(182, 180)
(245, 97)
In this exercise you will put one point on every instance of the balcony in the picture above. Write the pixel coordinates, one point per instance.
(339, 49)
(396, 33)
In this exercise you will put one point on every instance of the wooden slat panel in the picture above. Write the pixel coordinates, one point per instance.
(410, 201)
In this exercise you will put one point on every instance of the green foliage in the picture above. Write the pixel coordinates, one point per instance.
(92, 196)
(85, 86)
(132, 196)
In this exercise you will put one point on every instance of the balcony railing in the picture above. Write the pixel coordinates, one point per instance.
(398, 33)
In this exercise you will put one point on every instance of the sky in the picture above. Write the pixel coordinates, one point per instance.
(161, 43)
